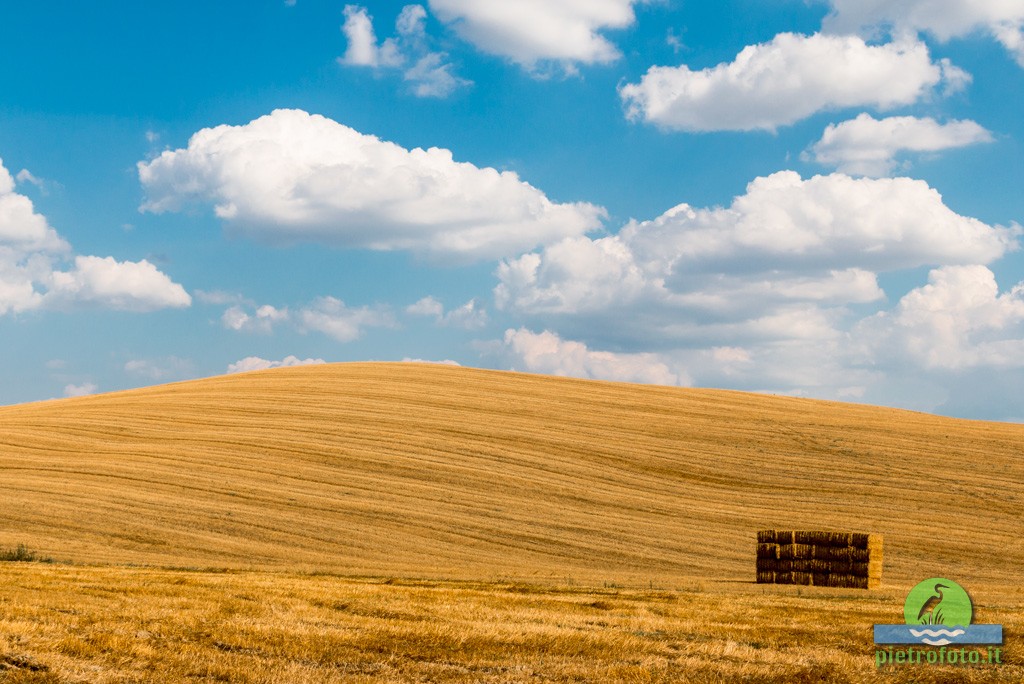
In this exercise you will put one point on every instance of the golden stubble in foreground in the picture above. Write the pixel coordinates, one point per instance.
(104, 625)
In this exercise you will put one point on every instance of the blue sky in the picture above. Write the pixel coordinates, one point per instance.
(819, 198)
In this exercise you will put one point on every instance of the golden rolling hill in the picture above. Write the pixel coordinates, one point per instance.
(433, 471)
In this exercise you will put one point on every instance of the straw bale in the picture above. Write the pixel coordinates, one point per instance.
(798, 568)
(828, 553)
(841, 539)
(861, 555)
(844, 580)
(819, 558)
(801, 573)
(775, 536)
(823, 538)
(802, 577)
(870, 569)
(836, 553)
(839, 580)
(848, 581)
(807, 537)
(791, 551)
(866, 541)
(828, 567)
(773, 565)
(857, 540)
(815, 565)
(812, 565)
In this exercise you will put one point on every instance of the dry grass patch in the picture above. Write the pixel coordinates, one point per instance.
(71, 624)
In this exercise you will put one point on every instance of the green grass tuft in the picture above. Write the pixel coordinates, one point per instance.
(22, 554)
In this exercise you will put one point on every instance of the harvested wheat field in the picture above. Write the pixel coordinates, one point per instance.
(106, 625)
(421, 473)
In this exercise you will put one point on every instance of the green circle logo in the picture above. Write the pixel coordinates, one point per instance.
(938, 601)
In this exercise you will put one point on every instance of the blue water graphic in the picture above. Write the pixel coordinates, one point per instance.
(938, 635)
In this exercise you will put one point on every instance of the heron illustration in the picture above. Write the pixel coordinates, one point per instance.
(931, 611)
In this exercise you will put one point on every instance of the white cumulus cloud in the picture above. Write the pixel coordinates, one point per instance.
(786, 240)
(945, 19)
(362, 41)
(291, 176)
(471, 315)
(531, 31)
(327, 315)
(32, 254)
(446, 362)
(577, 274)
(262, 320)
(428, 306)
(81, 390)
(124, 285)
(785, 80)
(958, 320)
(252, 363)
(547, 353)
(869, 146)
(775, 292)
(335, 319)
(22, 230)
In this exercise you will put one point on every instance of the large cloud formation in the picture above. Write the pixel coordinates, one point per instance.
(958, 320)
(532, 31)
(775, 292)
(292, 176)
(945, 19)
(785, 80)
(31, 253)
(785, 240)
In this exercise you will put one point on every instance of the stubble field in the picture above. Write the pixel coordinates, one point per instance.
(401, 522)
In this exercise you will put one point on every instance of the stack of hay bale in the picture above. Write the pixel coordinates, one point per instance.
(823, 559)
